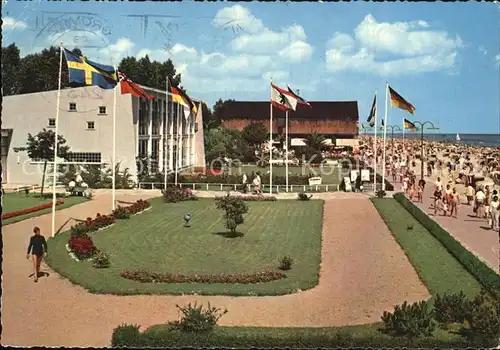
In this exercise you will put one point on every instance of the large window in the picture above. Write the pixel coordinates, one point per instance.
(79, 157)
(143, 148)
(155, 148)
(143, 118)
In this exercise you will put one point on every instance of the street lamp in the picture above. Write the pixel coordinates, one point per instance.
(393, 127)
(422, 126)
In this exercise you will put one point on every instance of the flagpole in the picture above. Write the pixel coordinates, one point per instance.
(403, 136)
(375, 148)
(271, 142)
(165, 139)
(113, 194)
(177, 148)
(385, 133)
(54, 200)
(286, 152)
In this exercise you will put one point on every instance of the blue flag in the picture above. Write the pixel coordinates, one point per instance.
(84, 72)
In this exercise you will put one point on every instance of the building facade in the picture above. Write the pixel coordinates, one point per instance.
(333, 119)
(155, 131)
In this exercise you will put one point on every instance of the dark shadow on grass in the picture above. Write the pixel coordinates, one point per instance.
(229, 234)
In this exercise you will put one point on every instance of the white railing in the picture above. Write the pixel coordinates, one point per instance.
(235, 187)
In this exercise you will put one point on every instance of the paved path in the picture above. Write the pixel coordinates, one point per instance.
(363, 273)
(473, 233)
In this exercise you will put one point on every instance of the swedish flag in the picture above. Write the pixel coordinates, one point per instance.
(85, 72)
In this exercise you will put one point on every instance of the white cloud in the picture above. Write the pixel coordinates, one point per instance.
(483, 50)
(115, 52)
(296, 52)
(10, 23)
(279, 75)
(497, 60)
(415, 48)
(237, 18)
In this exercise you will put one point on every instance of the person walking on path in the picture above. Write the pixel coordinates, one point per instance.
(37, 247)
(495, 212)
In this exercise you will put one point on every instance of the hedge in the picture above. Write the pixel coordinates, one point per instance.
(253, 337)
(482, 272)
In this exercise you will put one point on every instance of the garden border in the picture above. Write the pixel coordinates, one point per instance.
(482, 272)
(25, 211)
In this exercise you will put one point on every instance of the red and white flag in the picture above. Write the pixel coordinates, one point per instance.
(283, 99)
(127, 86)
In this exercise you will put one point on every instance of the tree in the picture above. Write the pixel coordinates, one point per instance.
(233, 208)
(219, 111)
(42, 145)
(207, 117)
(10, 70)
(315, 141)
(314, 146)
(255, 134)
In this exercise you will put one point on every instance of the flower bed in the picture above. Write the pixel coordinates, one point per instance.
(30, 210)
(151, 277)
(251, 198)
(81, 244)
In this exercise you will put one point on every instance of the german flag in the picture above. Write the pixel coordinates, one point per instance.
(400, 102)
(409, 125)
(181, 98)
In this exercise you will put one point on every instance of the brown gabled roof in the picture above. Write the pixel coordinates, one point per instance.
(321, 110)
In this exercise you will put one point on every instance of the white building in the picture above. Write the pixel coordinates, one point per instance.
(143, 129)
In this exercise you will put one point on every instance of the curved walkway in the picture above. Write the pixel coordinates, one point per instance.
(363, 273)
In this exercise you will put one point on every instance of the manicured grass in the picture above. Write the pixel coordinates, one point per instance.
(439, 270)
(157, 241)
(18, 201)
(329, 174)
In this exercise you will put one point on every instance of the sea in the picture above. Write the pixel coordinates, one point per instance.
(484, 140)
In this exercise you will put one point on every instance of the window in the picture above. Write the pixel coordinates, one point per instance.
(102, 110)
(155, 147)
(90, 125)
(52, 122)
(72, 106)
(85, 157)
(143, 148)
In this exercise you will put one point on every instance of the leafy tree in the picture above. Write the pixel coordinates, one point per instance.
(315, 141)
(254, 134)
(10, 69)
(219, 111)
(233, 208)
(207, 117)
(42, 146)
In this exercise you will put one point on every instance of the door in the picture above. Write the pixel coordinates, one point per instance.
(4, 151)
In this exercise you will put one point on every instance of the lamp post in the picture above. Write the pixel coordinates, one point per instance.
(422, 126)
(393, 127)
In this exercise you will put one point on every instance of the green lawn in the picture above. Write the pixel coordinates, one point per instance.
(157, 241)
(18, 201)
(329, 174)
(439, 270)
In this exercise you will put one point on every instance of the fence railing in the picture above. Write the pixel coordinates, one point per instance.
(236, 187)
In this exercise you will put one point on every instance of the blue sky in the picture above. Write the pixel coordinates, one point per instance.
(442, 57)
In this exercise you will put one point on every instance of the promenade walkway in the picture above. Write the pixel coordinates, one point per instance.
(473, 233)
(355, 286)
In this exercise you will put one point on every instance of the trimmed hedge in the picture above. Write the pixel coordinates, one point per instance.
(482, 272)
(251, 337)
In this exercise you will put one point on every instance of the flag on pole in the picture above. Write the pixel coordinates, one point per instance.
(127, 86)
(283, 99)
(373, 113)
(409, 125)
(400, 102)
(182, 99)
(383, 123)
(84, 72)
(300, 100)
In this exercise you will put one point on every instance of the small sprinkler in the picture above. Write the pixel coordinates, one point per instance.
(187, 218)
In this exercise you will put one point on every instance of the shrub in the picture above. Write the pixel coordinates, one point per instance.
(137, 207)
(100, 221)
(121, 213)
(26, 191)
(409, 227)
(471, 263)
(234, 209)
(286, 262)
(485, 317)
(82, 246)
(381, 194)
(80, 229)
(29, 210)
(174, 194)
(126, 335)
(197, 319)
(452, 308)
(413, 320)
(101, 260)
(303, 196)
(151, 277)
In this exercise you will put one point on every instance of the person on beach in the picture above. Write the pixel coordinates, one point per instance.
(454, 203)
(487, 201)
(479, 203)
(420, 190)
(437, 199)
(495, 213)
(470, 193)
(37, 248)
